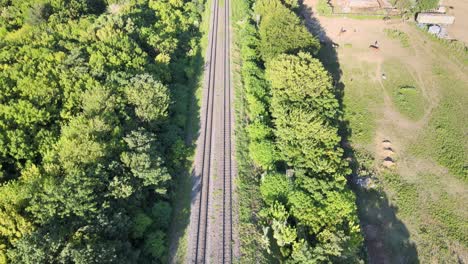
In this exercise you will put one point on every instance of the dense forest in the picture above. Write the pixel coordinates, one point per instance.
(307, 212)
(93, 106)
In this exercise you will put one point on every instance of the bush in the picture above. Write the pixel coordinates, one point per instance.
(324, 8)
(281, 31)
(424, 5)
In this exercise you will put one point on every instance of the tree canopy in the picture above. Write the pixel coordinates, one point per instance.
(90, 127)
(281, 31)
(308, 213)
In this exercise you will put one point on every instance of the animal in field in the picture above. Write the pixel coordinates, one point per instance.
(374, 47)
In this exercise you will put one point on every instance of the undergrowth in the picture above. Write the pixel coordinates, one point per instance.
(247, 185)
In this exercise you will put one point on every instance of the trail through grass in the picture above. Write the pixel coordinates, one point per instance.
(444, 139)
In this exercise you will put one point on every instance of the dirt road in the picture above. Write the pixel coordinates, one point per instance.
(210, 237)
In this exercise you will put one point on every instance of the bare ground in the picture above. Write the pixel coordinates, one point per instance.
(459, 29)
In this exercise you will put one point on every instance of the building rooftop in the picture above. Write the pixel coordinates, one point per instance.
(435, 18)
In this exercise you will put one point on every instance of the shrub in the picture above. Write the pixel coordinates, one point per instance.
(427, 4)
(324, 8)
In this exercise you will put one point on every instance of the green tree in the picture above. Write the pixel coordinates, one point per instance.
(275, 187)
(281, 31)
(155, 245)
(263, 153)
(161, 213)
(92, 107)
(141, 223)
(150, 98)
(303, 82)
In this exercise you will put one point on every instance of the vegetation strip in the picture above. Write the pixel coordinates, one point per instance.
(306, 207)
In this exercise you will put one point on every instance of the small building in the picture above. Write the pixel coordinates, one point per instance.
(435, 19)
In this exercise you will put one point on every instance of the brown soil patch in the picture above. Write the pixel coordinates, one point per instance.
(459, 29)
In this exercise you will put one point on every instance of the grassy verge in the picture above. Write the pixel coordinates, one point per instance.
(453, 49)
(183, 183)
(324, 8)
(247, 183)
(361, 101)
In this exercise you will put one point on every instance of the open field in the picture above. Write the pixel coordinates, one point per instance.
(406, 106)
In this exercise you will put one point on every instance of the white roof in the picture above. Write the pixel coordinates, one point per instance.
(433, 18)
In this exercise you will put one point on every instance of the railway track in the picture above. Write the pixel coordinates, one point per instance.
(218, 58)
(227, 177)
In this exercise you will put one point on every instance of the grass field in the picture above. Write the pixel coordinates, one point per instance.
(444, 138)
(362, 113)
(404, 90)
(417, 213)
(420, 219)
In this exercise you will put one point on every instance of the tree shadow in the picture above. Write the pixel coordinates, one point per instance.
(387, 240)
(386, 237)
(186, 184)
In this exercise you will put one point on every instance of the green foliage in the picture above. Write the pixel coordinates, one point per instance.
(424, 5)
(308, 216)
(259, 131)
(305, 110)
(251, 125)
(281, 31)
(91, 127)
(444, 137)
(304, 117)
(406, 93)
(324, 8)
(263, 154)
(302, 81)
(275, 187)
(141, 223)
(161, 213)
(150, 97)
(305, 114)
(155, 245)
